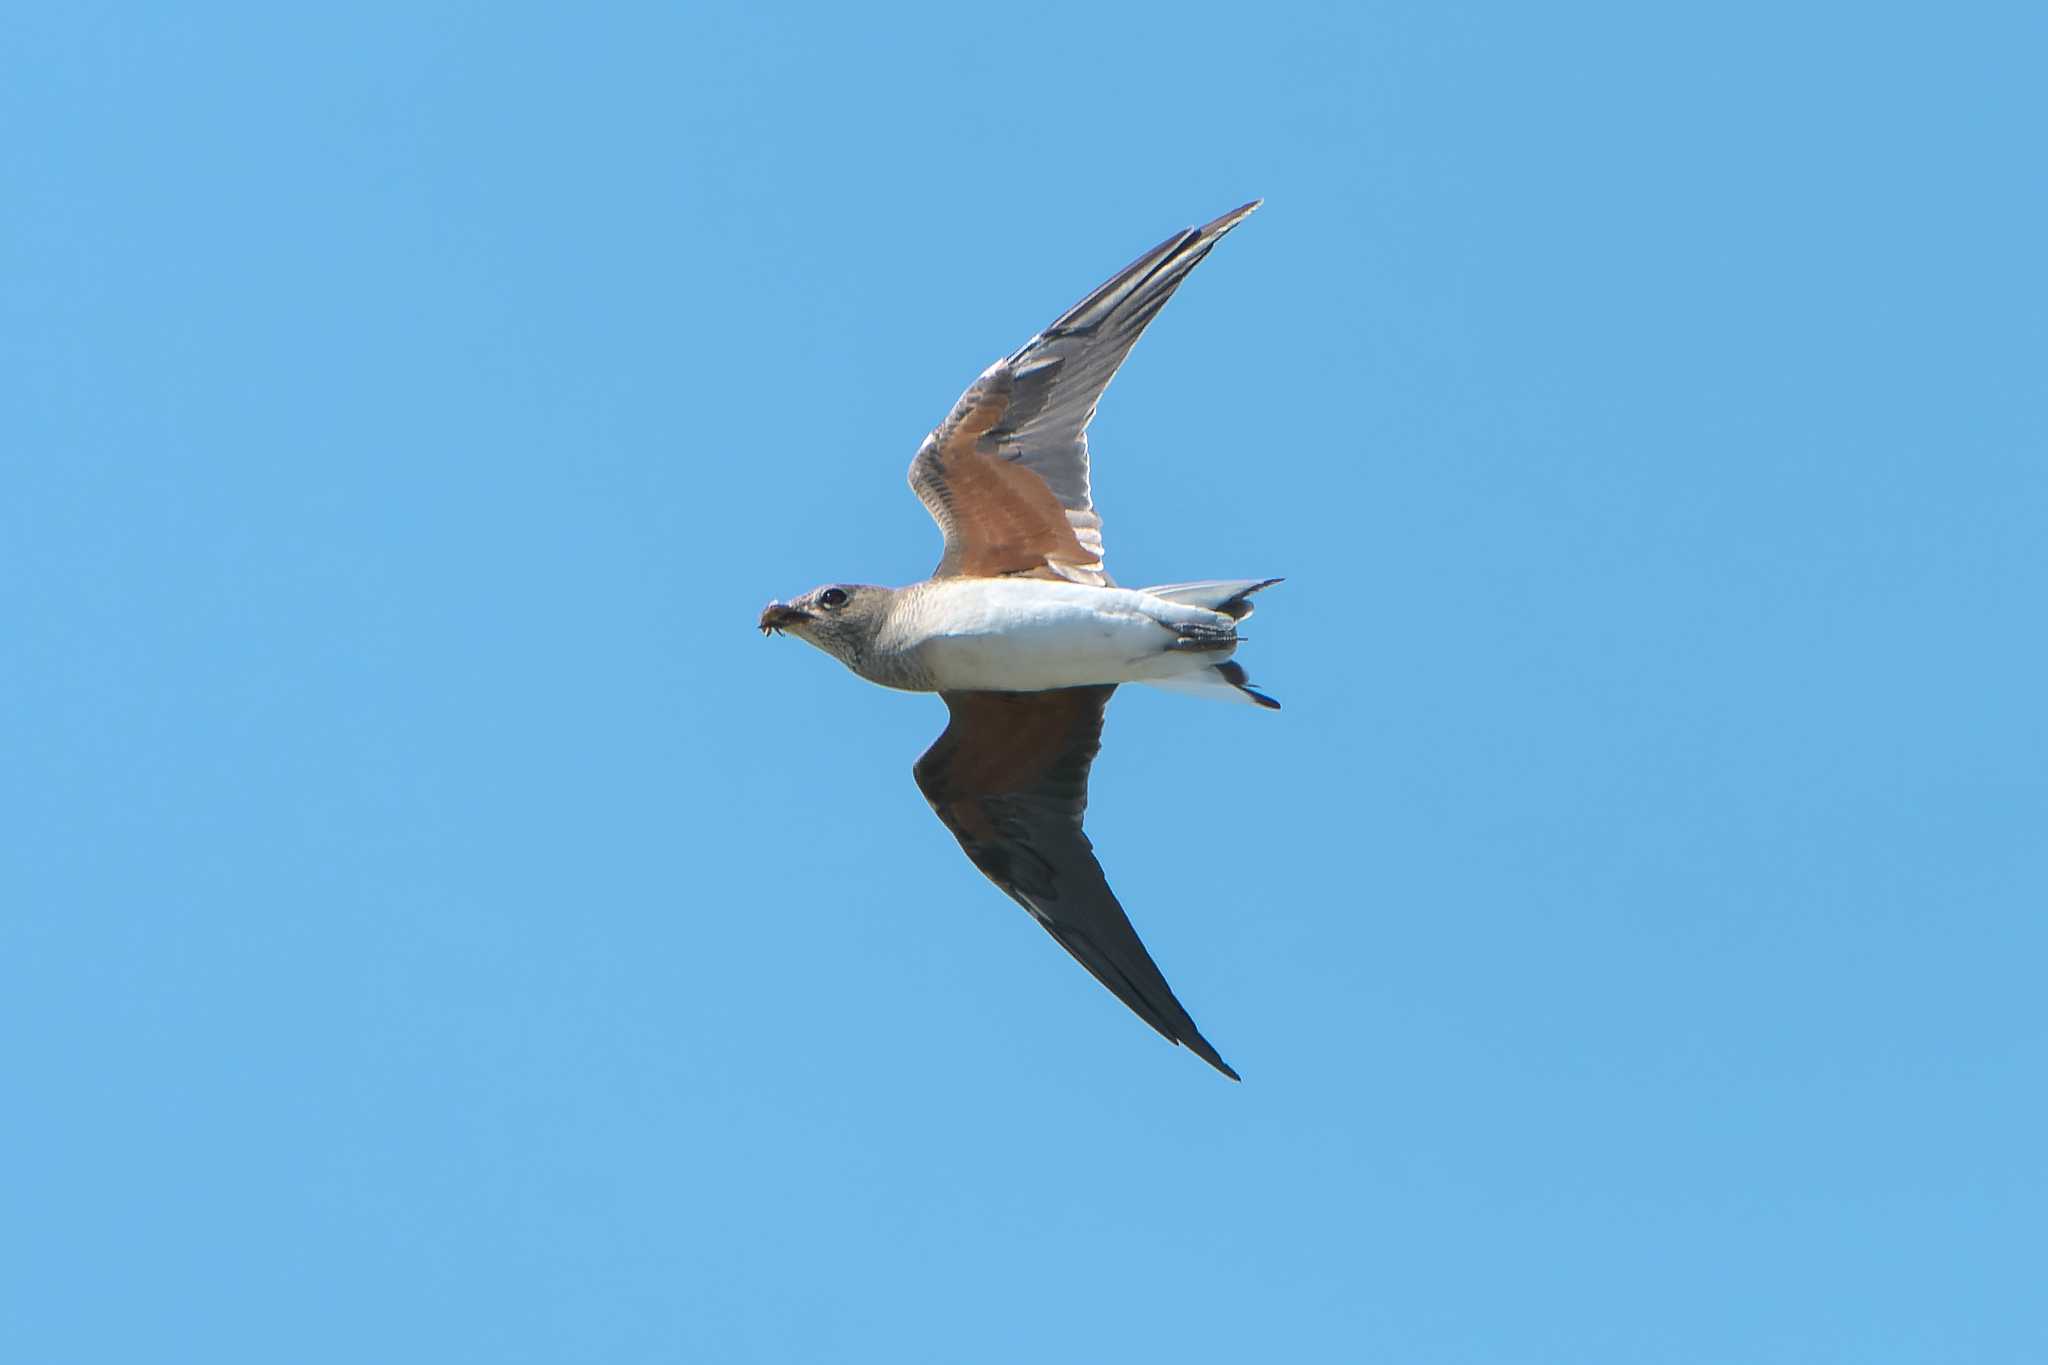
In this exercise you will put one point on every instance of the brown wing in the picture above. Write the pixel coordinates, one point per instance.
(1009, 777)
(1006, 474)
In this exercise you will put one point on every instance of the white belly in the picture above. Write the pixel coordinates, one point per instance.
(1029, 635)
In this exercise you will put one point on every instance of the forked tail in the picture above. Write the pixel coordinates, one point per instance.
(1231, 596)
(1225, 681)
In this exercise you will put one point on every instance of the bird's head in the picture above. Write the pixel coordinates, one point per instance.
(839, 618)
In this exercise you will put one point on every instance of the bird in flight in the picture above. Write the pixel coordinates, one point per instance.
(1023, 634)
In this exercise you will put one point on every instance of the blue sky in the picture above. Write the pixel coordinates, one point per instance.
(438, 928)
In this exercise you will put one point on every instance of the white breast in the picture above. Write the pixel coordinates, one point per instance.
(1028, 635)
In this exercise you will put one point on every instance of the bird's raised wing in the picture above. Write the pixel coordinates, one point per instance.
(1009, 777)
(1006, 474)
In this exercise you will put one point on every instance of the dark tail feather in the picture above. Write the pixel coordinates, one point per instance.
(1234, 674)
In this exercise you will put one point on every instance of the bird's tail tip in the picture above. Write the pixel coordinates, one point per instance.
(1226, 681)
(1231, 596)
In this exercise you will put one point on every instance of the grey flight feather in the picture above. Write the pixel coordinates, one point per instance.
(1049, 389)
(1022, 633)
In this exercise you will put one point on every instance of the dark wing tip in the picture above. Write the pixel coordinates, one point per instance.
(1009, 779)
(1200, 1047)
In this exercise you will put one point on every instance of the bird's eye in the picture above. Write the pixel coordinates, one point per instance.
(832, 597)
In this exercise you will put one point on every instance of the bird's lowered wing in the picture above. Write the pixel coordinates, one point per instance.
(1009, 777)
(1006, 474)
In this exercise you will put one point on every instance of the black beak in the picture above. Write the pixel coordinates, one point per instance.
(777, 615)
